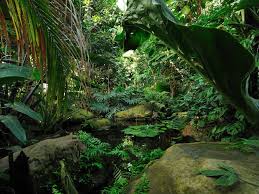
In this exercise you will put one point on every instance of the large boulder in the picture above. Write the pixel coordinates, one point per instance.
(45, 155)
(136, 112)
(176, 171)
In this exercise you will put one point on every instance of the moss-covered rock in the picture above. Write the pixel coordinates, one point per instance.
(136, 112)
(176, 171)
(98, 123)
(81, 115)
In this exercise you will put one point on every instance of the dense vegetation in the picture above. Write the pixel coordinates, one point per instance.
(129, 79)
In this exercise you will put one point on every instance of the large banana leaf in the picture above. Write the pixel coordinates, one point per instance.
(10, 73)
(12, 123)
(22, 108)
(212, 52)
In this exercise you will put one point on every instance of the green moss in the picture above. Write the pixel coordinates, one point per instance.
(99, 123)
(136, 112)
(81, 114)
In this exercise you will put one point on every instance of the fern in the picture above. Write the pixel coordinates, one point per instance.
(55, 189)
(95, 147)
(120, 153)
(99, 107)
(117, 187)
(156, 129)
(143, 186)
(128, 160)
(92, 158)
(100, 97)
(133, 101)
(135, 159)
(113, 110)
(108, 104)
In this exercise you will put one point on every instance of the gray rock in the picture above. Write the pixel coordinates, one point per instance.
(44, 157)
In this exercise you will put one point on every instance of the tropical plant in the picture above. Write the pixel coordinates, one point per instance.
(158, 99)
(116, 100)
(128, 160)
(46, 35)
(137, 157)
(196, 45)
(12, 77)
(92, 158)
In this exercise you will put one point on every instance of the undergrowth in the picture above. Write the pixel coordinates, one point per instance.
(108, 104)
(128, 160)
(143, 185)
(156, 129)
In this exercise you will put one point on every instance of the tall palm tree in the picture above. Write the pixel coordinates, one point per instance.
(48, 34)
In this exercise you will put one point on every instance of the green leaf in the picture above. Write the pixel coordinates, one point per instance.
(51, 42)
(10, 73)
(227, 180)
(226, 167)
(36, 74)
(212, 173)
(22, 108)
(12, 123)
(227, 175)
(120, 34)
(214, 53)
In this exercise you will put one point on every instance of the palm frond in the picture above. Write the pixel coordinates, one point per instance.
(49, 33)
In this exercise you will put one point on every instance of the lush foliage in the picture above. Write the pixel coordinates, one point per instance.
(129, 160)
(156, 129)
(191, 44)
(115, 101)
(93, 157)
(11, 76)
(72, 65)
(143, 185)
(44, 39)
